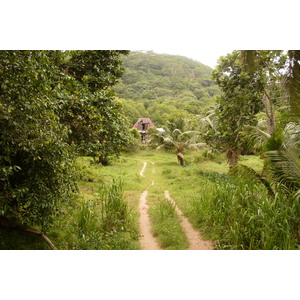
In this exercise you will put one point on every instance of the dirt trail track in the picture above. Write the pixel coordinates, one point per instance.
(143, 169)
(194, 237)
(149, 242)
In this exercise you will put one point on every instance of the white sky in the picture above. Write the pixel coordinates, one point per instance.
(207, 57)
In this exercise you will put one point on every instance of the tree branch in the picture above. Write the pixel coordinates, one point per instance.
(8, 224)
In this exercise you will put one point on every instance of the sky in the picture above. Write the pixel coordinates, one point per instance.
(207, 56)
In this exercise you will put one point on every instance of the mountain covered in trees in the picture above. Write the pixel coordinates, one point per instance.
(160, 85)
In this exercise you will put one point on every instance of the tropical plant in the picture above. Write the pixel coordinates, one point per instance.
(237, 105)
(178, 137)
(279, 71)
(284, 156)
(35, 160)
(256, 136)
(282, 147)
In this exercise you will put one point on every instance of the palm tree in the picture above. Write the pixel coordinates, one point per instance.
(283, 148)
(178, 139)
(284, 156)
(251, 62)
(256, 136)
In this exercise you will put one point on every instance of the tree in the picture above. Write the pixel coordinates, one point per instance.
(281, 146)
(282, 150)
(88, 105)
(165, 81)
(237, 105)
(266, 66)
(51, 103)
(177, 137)
(291, 76)
(292, 83)
(35, 160)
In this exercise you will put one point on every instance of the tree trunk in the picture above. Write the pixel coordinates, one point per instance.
(232, 157)
(8, 224)
(270, 112)
(180, 159)
(103, 160)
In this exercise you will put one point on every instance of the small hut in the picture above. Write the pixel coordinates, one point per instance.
(142, 125)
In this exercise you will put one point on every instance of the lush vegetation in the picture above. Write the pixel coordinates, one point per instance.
(70, 162)
(161, 85)
(54, 106)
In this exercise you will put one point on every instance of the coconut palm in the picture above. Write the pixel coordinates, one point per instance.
(282, 149)
(256, 136)
(284, 156)
(178, 139)
(291, 76)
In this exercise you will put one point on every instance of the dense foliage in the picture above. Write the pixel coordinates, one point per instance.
(36, 161)
(53, 103)
(58, 105)
(165, 84)
(238, 103)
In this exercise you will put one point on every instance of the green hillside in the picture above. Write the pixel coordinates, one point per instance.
(165, 84)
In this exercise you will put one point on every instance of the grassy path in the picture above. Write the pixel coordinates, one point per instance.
(147, 239)
(195, 240)
(187, 186)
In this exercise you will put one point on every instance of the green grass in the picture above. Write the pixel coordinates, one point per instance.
(235, 211)
(81, 223)
(239, 214)
(166, 223)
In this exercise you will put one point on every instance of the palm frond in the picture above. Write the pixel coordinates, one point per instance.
(286, 167)
(255, 137)
(210, 121)
(292, 135)
(258, 177)
(197, 146)
(275, 142)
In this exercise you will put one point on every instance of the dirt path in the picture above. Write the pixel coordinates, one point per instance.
(194, 237)
(143, 169)
(147, 240)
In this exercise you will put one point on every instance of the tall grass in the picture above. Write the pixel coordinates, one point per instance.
(106, 223)
(240, 214)
(115, 213)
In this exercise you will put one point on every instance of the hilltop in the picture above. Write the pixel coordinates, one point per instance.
(162, 84)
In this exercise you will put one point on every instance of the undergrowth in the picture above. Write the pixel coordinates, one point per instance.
(107, 222)
(240, 214)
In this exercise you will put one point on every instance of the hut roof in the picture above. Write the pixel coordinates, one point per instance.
(143, 121)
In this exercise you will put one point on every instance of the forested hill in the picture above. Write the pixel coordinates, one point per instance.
(163, 84)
